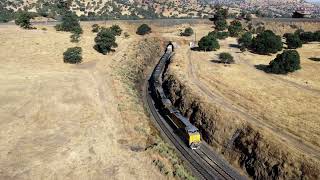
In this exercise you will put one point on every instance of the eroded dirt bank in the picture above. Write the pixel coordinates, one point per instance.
(253, 150)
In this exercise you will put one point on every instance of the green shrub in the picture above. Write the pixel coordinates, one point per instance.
(75, 38)
(70, 23)
(235, 28)
(73, 55)
(245, 41)
(226, 58)
(187, 32)
(267, 42)
(143, 29)
(307, 37)
(23, 19)
(95, 28)
(116, 29)
(293, 41)
(105, 41)
(219, 34)
(288, 61)
(126, 35)
(221, 25)
(316, 36)
(208, 43)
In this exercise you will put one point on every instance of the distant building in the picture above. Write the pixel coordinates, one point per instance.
(301, 13)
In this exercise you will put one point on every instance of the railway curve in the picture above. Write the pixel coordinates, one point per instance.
(203, 162)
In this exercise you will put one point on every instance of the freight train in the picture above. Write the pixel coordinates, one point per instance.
(189, 133)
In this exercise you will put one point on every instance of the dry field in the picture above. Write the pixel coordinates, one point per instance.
(286, 105)
(61, 121)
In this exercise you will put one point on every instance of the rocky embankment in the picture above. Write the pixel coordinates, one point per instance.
(253, 150)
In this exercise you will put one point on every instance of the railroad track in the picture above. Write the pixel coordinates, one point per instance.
(203, 162)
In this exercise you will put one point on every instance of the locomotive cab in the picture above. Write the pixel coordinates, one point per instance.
(193, 137)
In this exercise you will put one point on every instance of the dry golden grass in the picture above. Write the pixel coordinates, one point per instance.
(289, 103)
(62, 121)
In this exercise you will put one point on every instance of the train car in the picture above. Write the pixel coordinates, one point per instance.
(189, 132)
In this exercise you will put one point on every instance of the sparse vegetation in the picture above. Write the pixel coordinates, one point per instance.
(116, 29)
(126, 34)
(288, 61)
(219, 34)
(267, 42)
(219, 19)
(235, 28)
(75, 38)
(293, 41)
(105, 41)
(95, 28)
(208, 43)
(23, 19)
(226, 58)
(143, 29)
(245, 41)
(70, 23)
(187, 32)
(73, 55)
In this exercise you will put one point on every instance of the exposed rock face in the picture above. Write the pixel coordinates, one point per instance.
(260, 155)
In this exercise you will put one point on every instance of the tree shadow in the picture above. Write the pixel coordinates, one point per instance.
(314, 59)
(234, 45)
(216, 61)
(195, 49)
(262, 67)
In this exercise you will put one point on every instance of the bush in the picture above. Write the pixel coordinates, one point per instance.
(187, 32)
(75, 38)
(293, 41)
(267, 42)
(288, 61)
(143, 29)
(317, 36)
(208, 43)
(126, 35)
(245, 41)
(226, 58)
(221, 25)
(70, 23)
(73, 55)
(307, 36)
(219, 34)
(105, 41)
(23, 19)
(235, 28)
(95, 28)
(116, 29)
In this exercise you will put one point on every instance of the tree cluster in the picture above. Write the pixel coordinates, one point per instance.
(245, 41)
(73, 55)
(208, 43)
(293, 41)
(235, 28)
(143, 29)
(267, 42)
(70, 23)
(308, 36)
(105, 41)
(288, 61)
(187, 32)
(226, 58)
(220, 19)
(219, 34)
(23, 19)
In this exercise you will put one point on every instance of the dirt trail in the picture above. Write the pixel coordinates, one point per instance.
(292, 140)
